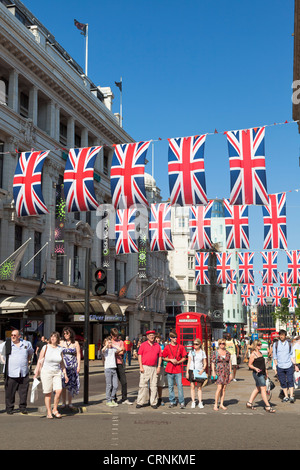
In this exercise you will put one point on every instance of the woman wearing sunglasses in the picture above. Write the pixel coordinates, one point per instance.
(196, 361)
(221, 367)
(258, 365)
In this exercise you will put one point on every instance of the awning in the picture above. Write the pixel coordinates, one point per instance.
(78, 306)
(22, 304)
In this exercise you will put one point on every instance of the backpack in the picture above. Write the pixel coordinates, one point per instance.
(290, 346)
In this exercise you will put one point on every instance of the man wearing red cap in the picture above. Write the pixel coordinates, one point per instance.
(150, 357)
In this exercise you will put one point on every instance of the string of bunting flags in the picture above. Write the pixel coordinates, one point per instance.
(187, 184)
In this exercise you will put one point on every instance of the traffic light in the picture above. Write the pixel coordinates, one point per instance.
(99, 281)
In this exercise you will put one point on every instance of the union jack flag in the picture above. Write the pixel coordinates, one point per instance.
(246, 273)
(247, 292)
(274, 215)
(27, 189)
(231, 287)
(268, 290)
(269, 275)
(126, 238)
(79, 179)
(247, 166)
(223, 268)
(127, 175)
(293, 258)
(293, 297)
(285, 285)
(261, 298)
(277, 295)
(201, 269)
(236, 225)
(200, 227)
(160, 227)
(186, 171)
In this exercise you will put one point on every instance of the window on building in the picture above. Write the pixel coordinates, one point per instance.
(3, 91)
(191, 262)
(105, 161)
(38, 258)
(191, 283)
(18, 241)
(24, 104)
(63, 134)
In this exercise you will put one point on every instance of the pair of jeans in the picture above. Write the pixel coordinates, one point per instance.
(111, 380)
(127, 353)
(178, 380)
(286, 377)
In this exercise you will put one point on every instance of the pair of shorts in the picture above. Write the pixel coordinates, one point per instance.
(51, 380)
(233, 359)
(260, 380)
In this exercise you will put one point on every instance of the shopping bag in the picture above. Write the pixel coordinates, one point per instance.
(34, 390)
(296, 379)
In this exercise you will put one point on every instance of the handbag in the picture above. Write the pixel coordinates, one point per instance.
(40, 363)
(270, 385)
(197, 376)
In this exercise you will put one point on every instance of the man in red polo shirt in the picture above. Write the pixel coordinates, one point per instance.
(150, 357)
(174, 354)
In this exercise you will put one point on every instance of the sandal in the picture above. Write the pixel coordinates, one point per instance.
(250, 405)
(56, 414)
(269, 409)
(49, 417)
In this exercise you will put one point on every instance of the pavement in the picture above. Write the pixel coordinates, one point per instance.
(237, 395)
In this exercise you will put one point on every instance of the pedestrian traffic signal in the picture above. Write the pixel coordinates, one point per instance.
(99, 281)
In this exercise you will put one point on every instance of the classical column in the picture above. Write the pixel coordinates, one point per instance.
(13, 90)
(70, 132)
(33, 105)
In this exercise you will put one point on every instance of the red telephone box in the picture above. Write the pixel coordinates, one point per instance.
(189, 326)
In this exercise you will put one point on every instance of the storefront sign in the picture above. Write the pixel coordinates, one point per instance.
(101, 318)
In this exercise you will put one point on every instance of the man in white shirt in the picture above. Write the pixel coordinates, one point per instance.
(16, 370)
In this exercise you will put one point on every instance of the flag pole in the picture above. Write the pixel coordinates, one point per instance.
(86, 48)
(121, 105)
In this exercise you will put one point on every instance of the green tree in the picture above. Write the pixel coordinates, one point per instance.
(283, 314)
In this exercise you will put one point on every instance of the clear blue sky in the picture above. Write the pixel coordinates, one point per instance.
(190, 68)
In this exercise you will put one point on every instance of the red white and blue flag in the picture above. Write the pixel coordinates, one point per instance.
(79, 179)
(236, 225)
(293, 297)
(246, 272)
(126, 236)
(269, 275)
(127, 175)
(274, 215)
(277, 295)
(200, 226)
(261, 298)
(186, 171)
(160, 227)
(224, 271)
(247, 166)
(27, 188)
(247, 291)
(201, 269)
(285, 285)
(293, 259)
(231, 286)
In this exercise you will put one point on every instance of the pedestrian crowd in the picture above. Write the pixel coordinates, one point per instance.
(160, 363)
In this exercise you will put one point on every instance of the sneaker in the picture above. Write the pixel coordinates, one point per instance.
(126, 402)
(114, 403)
(109, 403)
(193, 405)
(292, 399)
(172, 405)
(201, 405)
(285, 400)
(182, 406)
